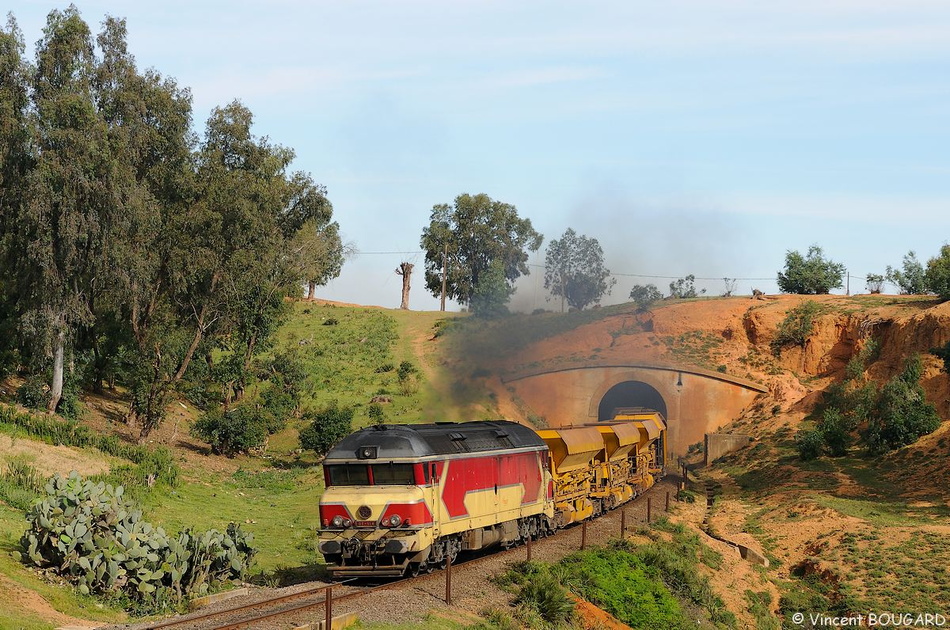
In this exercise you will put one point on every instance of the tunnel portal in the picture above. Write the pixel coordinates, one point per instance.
(630, 394)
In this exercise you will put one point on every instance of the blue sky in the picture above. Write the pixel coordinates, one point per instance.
(702, 137)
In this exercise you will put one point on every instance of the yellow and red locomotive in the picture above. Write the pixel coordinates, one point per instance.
(405, 498)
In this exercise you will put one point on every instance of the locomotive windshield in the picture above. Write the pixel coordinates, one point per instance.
(348, 475)
(393, 474)
(371, 475)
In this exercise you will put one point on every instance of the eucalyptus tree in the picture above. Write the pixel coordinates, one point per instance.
(462, 242)
(315, 244)
(16, 160)
(574, 270)
(66, 210)
(149, 122)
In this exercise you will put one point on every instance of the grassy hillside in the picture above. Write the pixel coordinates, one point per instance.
(350, 355)
(841, 533)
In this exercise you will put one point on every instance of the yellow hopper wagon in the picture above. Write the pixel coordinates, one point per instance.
(572, 453)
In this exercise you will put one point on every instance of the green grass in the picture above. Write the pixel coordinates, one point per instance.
(282, 506)
(66, 600)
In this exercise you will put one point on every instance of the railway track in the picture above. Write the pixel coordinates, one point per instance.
(291, 609)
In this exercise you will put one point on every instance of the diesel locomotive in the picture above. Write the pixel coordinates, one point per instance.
(406, 498)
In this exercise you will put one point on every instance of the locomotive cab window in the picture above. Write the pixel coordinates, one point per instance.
(393, 474)
(348, 475)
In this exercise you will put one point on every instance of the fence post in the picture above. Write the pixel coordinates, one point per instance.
(623, 523)
(583, 535)
(528, 546)
(328, 607)
(649, 506)
(667, 500)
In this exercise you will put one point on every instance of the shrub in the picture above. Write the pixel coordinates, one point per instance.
(326, 428)
(685, 288)
(901, 414)
(542, 593)
(809, 443)
(835, 432)
(874, 282)
(645, 296)
(34, 393)
(376, 413)
(94, 537)
(237, 430)
(796, 327)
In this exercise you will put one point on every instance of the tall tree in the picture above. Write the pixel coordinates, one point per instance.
(574, 270)
(811, 274)
(16, 160)
(319, 253)
(911, 277)
(467, 238)
(67, 209)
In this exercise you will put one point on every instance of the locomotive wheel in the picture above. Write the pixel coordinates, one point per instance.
(414, 568)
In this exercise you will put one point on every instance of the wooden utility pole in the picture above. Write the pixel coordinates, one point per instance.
(405, 270)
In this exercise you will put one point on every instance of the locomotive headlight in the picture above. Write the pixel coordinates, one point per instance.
(347, 522)
(395, 520)
(337, 521)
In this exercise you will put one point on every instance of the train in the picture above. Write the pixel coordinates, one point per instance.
(407, 498)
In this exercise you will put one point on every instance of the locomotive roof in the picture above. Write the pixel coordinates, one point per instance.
(397, 441)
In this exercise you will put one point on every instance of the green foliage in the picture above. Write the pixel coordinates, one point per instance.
(684, 288)
(810, 443)
(937, 276)
(760, 607)
(618, 581)
(943, 353)
(911, 278)
(94, 537)
(376, 414)
(20, 484)
(796, 327)
(326, 428)
(574, 270)
(406, 371)
(645, 296)
(153, 465)
(33, 393)
(543, 594)
(901, 414)
(835, 431)
(469, 237)
(811, 274)
(892, 416)
(240, 429)
(490, 298)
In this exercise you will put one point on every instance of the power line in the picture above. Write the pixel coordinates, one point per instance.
(618, 274)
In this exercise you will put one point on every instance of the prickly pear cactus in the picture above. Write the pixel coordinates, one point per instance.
(91, 534)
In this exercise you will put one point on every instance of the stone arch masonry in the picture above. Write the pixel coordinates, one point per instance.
(698, 401)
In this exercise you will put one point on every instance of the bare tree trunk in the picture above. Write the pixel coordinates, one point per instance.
(311, 290)
(199, 333)
(59, 351)
(405, 270)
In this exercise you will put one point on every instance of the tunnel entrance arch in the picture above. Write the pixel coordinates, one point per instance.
(630, 394)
